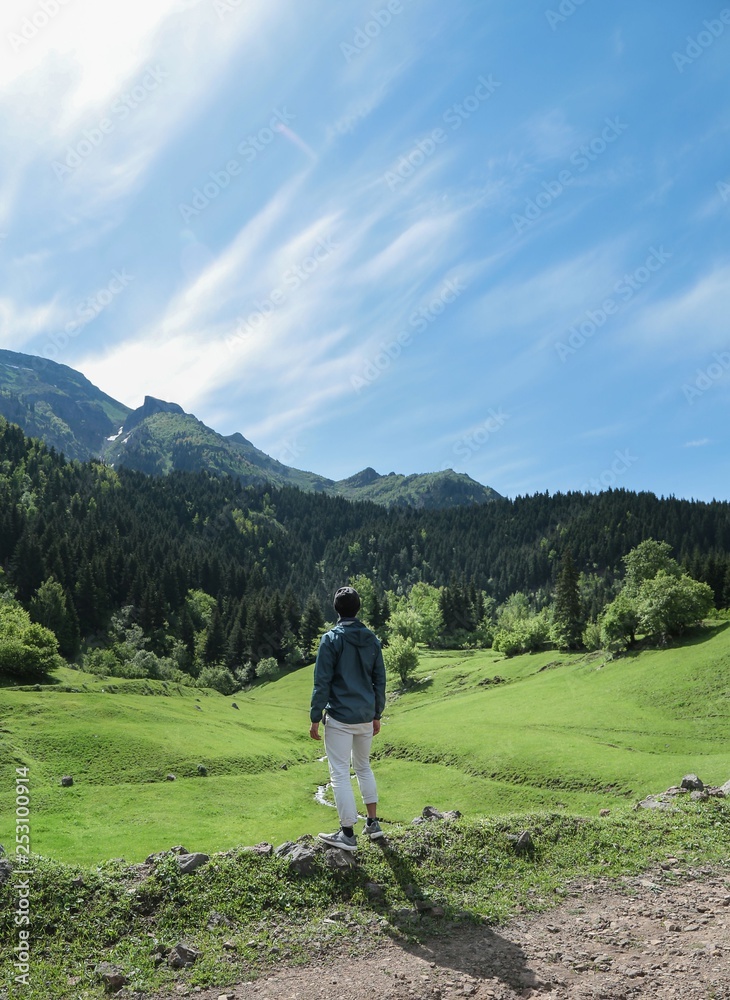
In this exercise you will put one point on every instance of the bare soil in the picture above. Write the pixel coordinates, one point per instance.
(666, 934)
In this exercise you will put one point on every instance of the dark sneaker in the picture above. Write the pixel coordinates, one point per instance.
(373, 830)
(340, 840)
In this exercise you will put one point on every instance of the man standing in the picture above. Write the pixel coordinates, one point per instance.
(349, 686)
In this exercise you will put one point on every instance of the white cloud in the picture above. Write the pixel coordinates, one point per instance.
(696, 444)
(19, 324)
(691, 321)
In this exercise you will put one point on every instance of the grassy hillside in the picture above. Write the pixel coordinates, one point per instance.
(560, 732)
(57, 404)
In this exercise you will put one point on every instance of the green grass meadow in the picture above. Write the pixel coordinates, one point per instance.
(573, 733)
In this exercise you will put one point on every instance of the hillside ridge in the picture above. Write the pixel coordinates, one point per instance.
(63, 408)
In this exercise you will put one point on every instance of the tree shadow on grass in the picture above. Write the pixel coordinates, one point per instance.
(696, 636)
(466, 944)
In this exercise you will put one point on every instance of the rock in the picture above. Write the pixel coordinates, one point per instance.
(655, 802)
(264, 849)
(152, 858)
(217, 919)
(67, 781)
(189, 862)
(286, 848)
(111, 975)
(522, 841)
(234, 705)
(604, 812)
(302, 859)
(374, 891)
(698, 796)
(714, 792)
(182, 956)
(725, 788)
(284, 767)
(170, 777)
(430, 812)
(418, 820)
(202, 770)
(198, 708)
(452, 814)
(6, 871)
(692, 782)
(77, 882)
(339, 860)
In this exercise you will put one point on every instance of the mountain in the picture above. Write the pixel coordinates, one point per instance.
(57, 404)
(60, 406)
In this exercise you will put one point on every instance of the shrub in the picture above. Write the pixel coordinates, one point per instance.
(267, 669)
(219, 678)
(28, 651)
(401, 657)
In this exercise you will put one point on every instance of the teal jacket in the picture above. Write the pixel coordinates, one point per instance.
(349, 675)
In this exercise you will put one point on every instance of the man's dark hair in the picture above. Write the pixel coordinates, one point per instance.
(347, 602)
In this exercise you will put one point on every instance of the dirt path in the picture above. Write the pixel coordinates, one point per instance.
(664, 935)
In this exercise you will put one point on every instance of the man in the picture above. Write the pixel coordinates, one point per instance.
(349, 686)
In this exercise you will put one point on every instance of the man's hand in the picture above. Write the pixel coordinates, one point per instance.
(314, 731)
(376, 727)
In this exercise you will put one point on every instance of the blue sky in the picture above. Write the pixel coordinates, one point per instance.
(492, 236)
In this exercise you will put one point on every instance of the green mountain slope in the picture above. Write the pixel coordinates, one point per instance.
(60, 406)
(57, 404)
(565, 732)
(431, 489)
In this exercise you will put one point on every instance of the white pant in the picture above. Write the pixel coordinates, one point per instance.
(342, 743)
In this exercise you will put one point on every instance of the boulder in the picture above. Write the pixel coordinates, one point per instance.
(692, 782)
(604, 812)
(234, 705)
(431, 812)
(67, 781)
(656, 802)
(182, 956)
(202, 770)
(725, 788)
(452, 814)
(699, 796)
(264, 849)
(189, 862)
(302, 859)
(374, 890)
(111, 976)
(522, 841)
(339, 860)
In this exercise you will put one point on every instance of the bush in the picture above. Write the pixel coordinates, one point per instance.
(267, 669)
(401, 658)
(525, 635)
(219, 678)
(28, 651)
(592, 637)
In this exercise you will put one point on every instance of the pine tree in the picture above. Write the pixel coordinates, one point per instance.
(567, 626)
(312, 624)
